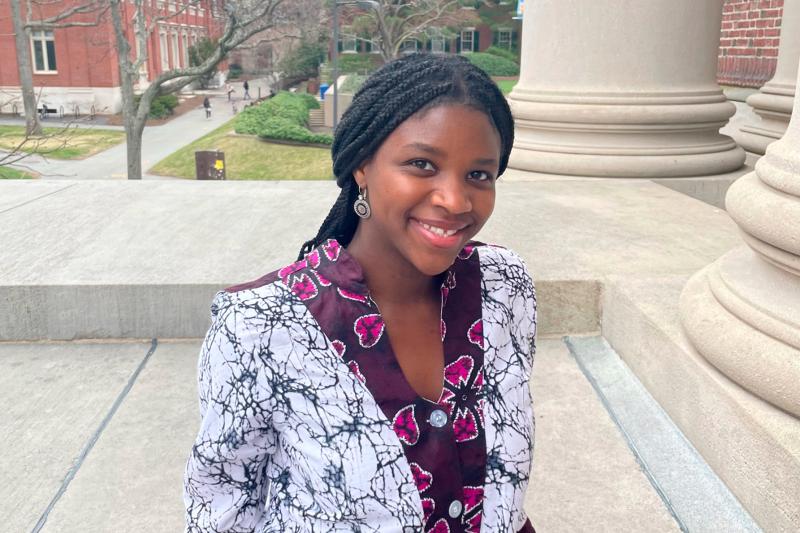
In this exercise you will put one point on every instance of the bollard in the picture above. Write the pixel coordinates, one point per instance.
(209, 165)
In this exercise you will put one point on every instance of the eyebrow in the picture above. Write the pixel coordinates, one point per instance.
(435, 151)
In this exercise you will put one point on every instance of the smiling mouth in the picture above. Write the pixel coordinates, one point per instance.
(441, 232)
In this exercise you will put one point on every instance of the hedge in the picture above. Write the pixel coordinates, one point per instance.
(502, 52)
(282, 117)
(161, 106)
(493, 65)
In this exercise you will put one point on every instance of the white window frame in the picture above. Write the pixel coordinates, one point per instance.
(164, 45)
(404, 49)
(436, 36)
(42, 37)
(349, 44)
(471, 33)
(500, 33)
(185, 50)
(175, 51)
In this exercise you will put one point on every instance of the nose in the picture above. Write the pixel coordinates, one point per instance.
(452, 194)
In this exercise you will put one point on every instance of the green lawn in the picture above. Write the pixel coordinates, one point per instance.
(506, 85)
(74, 142)
(8, 173)
(248, 158)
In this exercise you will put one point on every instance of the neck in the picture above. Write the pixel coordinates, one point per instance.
(390, 278)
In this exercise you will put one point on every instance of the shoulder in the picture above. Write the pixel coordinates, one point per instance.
(503, 264)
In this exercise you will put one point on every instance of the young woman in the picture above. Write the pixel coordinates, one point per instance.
(380, 383)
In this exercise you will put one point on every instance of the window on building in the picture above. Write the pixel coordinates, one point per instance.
(164, 52)
(436, 42)
(348, 45)
(175, 56)
(409, 46)
(44, 51)
(468, 40)
(504, 39)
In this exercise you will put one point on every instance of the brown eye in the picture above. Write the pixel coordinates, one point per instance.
(480, 175)
(422, 164)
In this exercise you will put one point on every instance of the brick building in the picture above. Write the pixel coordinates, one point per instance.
(76, 68)
(748, 47)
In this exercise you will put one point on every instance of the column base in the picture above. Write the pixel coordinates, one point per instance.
(742, 314)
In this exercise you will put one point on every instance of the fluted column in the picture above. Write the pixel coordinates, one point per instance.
(622, 88)
(773, 102)
(742, 312)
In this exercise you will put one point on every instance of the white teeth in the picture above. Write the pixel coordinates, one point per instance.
(439, 231)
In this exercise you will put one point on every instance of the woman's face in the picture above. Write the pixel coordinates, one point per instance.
(431, 186)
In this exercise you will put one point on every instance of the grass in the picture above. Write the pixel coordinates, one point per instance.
(61, 143)
(8, 173)
(506, 85)
(248, 158)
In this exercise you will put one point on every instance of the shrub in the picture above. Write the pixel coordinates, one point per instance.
(502, 52)
(198, 53)
(282, 117)
(493, 65)
(234, 71)
(352, 83)
(355, 63)
(161, 106)
(302, 61)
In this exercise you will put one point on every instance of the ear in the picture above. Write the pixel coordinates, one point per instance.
(360, 173)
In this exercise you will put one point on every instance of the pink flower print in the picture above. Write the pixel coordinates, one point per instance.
(445, 293)
(465, 426)
(450, 280)
(428, 506)
(442, 328)
(325, 282)
(475, 333)
(288, 270)
(355, 369)
(466, 252)
(405, 425)
(304, 288)
(479, 408)
(369, 329)
(473, 497)
(440, 527)
(332, 249)
(474, 524)
(350, 295)
(339, 346)
(447, 400)
(313, 259)
(457, 373)
(422, 477)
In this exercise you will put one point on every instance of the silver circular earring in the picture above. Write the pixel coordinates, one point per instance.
(361, 206)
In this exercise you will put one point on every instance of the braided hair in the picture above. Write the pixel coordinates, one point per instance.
(393, 93)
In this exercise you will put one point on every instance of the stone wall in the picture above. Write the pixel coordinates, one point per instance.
(748, 48)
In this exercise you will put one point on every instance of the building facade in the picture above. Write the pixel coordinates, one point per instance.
(748, 47)
(76, 69)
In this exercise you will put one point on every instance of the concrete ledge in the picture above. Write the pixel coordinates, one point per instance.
(752, 446)
(100, 259)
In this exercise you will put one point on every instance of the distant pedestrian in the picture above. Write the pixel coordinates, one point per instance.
(207, 106)
(246, 87)
(229, 90)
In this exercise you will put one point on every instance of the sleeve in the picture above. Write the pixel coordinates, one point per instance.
(224, 485)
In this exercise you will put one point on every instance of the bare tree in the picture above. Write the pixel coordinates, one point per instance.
(31, 19)
(395, 21)
(243, 19)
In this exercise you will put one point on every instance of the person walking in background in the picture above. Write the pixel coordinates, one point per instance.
(229, 90)
(246, 87)
(207, 106)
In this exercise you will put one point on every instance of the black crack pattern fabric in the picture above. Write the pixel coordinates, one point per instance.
(302, 430)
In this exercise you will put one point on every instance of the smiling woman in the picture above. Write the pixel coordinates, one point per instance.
(380, 383)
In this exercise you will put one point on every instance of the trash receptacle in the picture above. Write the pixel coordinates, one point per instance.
(322, 89)
(209, 165)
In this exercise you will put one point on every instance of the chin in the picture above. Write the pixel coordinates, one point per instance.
(433, 266)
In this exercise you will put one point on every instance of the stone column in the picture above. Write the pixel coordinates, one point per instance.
(742, 313)
(622, 88)
(773, 102)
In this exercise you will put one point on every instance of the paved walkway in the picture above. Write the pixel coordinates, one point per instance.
(157, 142)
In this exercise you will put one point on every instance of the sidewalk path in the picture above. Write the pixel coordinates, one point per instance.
(157, 143)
